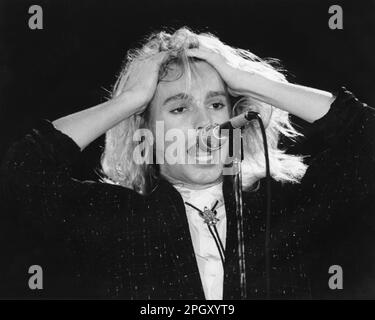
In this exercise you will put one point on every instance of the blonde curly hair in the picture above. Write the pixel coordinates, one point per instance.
(117, 161)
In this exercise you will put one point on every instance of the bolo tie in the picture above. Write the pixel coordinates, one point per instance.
(210, 219)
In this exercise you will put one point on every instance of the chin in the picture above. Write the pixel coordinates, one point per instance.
(193, 174)
(204, 174)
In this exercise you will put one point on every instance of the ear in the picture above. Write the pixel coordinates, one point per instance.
(234, 101)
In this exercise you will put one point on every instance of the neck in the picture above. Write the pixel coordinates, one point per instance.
(193, 186)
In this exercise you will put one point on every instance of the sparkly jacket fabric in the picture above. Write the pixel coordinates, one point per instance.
(97, 240)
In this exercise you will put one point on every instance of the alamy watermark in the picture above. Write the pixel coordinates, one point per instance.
(189, 147)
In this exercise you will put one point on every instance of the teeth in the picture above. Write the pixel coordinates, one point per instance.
(200, 156)
(204, 157)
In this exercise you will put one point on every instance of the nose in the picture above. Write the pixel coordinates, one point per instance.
(203, 125)
(202, 118)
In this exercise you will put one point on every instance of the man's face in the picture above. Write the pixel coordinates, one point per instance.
(206, 102)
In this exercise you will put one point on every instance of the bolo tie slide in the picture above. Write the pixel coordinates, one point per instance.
(209, 218)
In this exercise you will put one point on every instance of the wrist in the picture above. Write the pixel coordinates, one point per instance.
(259, 87)
(130, 102)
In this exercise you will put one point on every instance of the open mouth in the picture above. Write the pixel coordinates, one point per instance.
(204, 158)
(198, 156)
(199, 152)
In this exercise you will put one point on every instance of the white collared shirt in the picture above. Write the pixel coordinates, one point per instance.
(206, 252)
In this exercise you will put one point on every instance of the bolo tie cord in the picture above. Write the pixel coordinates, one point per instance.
(209, 217)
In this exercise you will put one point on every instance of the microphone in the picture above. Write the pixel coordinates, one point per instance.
(211, 137)
(239, 121)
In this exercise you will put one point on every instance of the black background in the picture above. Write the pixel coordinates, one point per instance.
(72, 63)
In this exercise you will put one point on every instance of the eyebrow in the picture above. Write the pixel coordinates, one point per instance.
(179, 96)
(213, 94)
(183, 96)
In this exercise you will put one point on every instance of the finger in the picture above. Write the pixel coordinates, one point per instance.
(233, 93)
(159, 57)
(198, 53)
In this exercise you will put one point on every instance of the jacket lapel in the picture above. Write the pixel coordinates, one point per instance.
(174, 218)
(231, 269)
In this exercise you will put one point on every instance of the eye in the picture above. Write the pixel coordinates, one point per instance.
(217, 105)
(178, 110)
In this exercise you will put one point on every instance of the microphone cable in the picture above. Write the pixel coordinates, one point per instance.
(239, 214)
(267, 241)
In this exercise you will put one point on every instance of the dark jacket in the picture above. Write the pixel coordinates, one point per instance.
(97, 240)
